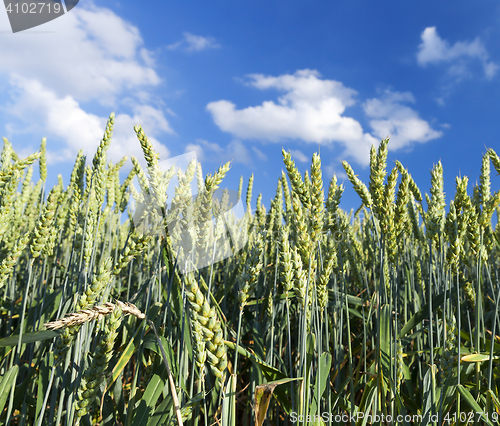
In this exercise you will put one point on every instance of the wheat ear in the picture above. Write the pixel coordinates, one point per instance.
(94, 313)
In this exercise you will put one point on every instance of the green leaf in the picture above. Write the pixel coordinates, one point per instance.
(125, 357)
(352, 300)
(162, 413)
(21, 391)
(494, 398)
(229, 402)
(269, 372)
(472, 402)
(151, 343)
(266, 368)
(29, 337)
(477, 357)
(153, 311)
(322, 374)
(367, 400)
(422, 314)
(6, 384)
(385, 340)
(43, 381)
(429, 407)
(108, 412)
(147, 403)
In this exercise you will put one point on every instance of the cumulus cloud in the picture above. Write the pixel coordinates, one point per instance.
(201, 146)
(63, 117)
(312, 109)
(329, 170)
(91, 56)
(235, 151)
(298, 155)
(434, 50)
(194, 43)
(389, 116)
(260, 155)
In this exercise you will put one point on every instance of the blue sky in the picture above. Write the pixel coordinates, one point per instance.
(240, 80)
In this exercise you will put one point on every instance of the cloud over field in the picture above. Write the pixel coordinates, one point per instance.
(389, 115)
(313, 110)
(235, 151)
(89, 57)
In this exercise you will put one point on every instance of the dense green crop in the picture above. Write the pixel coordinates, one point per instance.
(302, 312)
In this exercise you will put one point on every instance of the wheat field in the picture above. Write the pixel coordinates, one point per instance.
(125, 306)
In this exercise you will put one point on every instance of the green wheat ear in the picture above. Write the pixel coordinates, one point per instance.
(42, 231)
(147, 147)
(205, 316)
(359, 186)
(43, 160)
(94, 375)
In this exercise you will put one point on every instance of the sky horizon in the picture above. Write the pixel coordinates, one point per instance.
(241, 81)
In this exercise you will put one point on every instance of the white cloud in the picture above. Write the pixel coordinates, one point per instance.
(235, 151)
(260, 155)
(194, 43)
(64, 118)
(390, 117)
(299, 156)
(311, 109)
(333, 169)
(93, 55)
(434, 50)
(197, 149)
(201, 146)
